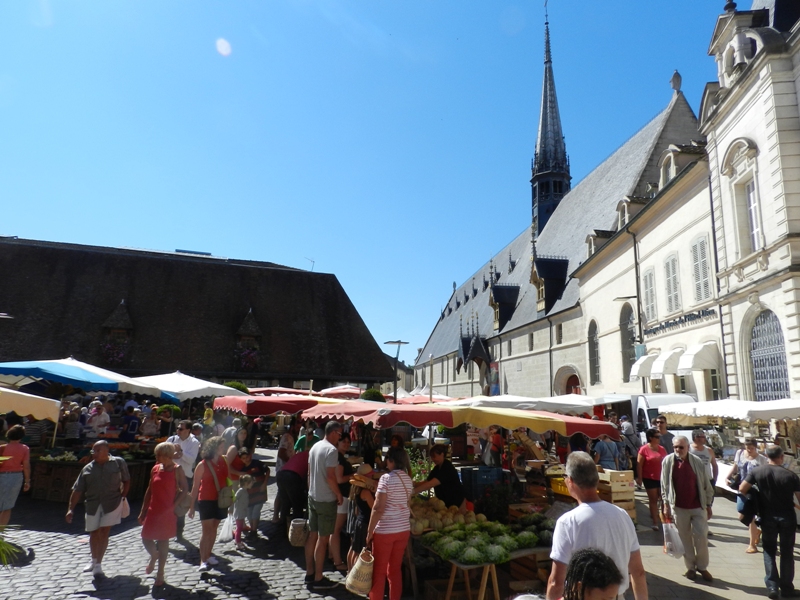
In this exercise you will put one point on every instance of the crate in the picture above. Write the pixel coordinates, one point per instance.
(625, 504)
(615, 497)
(475, 480)
(436, 589)
(558, 486)
(609, 475)
(616, 486)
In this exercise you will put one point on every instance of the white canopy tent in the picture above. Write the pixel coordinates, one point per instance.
(562, 404)
(184, 387)
(666, 363)
(28, 404)
(743, 410)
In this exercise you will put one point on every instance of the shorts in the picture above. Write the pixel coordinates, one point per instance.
(101, 519)
(209, 509)
(343, 507)
(359, 536)
(254, 512)
(321, 517)
(651, 484)
(739, 504)
(10, 486)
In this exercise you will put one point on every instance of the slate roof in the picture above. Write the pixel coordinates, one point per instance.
(185, 313)
(588, 206)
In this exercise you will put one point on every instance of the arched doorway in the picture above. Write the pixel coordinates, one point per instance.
(768, 358)
(573, 385)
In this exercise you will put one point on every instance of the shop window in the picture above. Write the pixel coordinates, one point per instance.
(672, 284)
(594, 354)
(682, 384)
(655, 386)
(559, 333)
(715, 381)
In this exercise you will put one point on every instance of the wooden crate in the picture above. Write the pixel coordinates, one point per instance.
(614, 497)
(609, 475)
(625, 504)
(616, 486)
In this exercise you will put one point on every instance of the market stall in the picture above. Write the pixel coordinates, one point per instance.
(184, 387)
(28, 404)
(260, 406)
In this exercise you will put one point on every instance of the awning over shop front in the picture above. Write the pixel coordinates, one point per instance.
(642, 366)
(666, 363)
(699, 358)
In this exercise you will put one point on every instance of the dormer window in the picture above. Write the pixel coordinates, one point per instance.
(668, 170)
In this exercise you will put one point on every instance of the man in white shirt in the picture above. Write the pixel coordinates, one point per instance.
(324, 498)
(594, 524)
(186, 449)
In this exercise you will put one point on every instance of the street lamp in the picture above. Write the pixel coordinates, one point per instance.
(397, 343)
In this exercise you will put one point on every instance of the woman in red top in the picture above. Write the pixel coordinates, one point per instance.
(204, 494)
(15, 473)
(159, 523)
(649, 461)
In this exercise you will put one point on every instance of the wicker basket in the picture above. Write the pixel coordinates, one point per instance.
(359, 579)
(298, 532)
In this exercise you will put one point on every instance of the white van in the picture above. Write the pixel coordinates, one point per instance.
(643, 408)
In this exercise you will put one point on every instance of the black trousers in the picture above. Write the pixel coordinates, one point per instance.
(771, 529)
(292, 494)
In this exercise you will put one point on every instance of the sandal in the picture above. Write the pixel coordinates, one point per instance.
(159, 583)
(341, 567)
(655, 527)
(751, 550)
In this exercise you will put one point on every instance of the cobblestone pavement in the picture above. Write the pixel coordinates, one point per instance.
(270, 568)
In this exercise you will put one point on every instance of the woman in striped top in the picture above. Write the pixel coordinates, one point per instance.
(389, 526)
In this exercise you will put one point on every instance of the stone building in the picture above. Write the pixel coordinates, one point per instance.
(672, 266)
(144, 312)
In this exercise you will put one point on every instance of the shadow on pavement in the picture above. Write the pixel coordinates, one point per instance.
(169, 592)
(244, 584)
(699, 590)
(120, 586)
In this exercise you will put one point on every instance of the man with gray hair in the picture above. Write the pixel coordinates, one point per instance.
(777, 489)
(229, 435)
(688, 495)
(324, 498)
(594, 524)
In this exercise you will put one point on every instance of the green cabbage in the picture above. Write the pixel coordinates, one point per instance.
(546, 538)
(549, 524)
(442, 542)
(458, 535)
(496, 529)
(472, 528)
(477, 540)
(527, 539)
(430, 538)
(506, 541)
(452, 550)
(472, 556)
(454, 527)
(497, 554)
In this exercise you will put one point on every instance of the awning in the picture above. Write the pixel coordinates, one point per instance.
(666, 363)
(643, 366)
(699, 358)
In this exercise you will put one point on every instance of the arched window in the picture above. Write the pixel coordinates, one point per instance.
(594, 354)
(768, 358)
(627, 333)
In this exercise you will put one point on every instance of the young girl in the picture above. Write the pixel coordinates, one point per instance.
(240, 507)
(591, 575)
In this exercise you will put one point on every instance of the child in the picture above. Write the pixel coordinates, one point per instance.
(240, 507)
(591, 575)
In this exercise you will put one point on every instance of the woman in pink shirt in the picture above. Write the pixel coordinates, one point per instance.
(389, 526)
(15, 473)
(649, 461)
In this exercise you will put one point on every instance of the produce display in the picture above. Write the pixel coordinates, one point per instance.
(433, 514)
(480, 542)
(66, 457)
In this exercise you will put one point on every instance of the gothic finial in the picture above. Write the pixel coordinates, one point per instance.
(675, 81)
(454, 287)
(477, 325)
(730, 7)
(460, 326)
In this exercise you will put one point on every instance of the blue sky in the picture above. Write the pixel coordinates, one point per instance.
(389, 141)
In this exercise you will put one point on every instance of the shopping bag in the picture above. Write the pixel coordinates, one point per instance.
(126, 509)
(226, 533)
(359, 579)
(673, 546)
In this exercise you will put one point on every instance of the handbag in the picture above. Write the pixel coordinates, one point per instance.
(298, 532)
(673, 546)
(359, 579)
(126, 508)
(225, 494)
(749, 506)
(184, 504)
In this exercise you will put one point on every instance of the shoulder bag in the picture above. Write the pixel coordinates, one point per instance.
(735, 479)
(225, 494)
(181, 507)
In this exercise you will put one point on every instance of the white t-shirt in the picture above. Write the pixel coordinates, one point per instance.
(596, 525)
(322, 456)
(191, 448)
(100, 422)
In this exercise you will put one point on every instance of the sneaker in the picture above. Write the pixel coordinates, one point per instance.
(308, 579)
(323, 584)
(89, 568)
(240, 546)
(203, 567)
(97, 571)
(212, 560)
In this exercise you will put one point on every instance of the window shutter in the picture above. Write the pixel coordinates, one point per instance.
(649, 296)
(698, 283)
(668, 281)
(676, 301)
(705, 275)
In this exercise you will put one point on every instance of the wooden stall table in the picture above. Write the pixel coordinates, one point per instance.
(487, 570)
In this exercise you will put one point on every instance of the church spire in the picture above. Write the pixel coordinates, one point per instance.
(550, 178)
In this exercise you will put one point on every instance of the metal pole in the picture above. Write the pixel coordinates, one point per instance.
(396, 357)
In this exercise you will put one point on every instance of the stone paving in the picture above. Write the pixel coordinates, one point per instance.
(272, 569)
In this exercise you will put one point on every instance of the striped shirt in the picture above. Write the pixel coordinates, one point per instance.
(397, 486)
